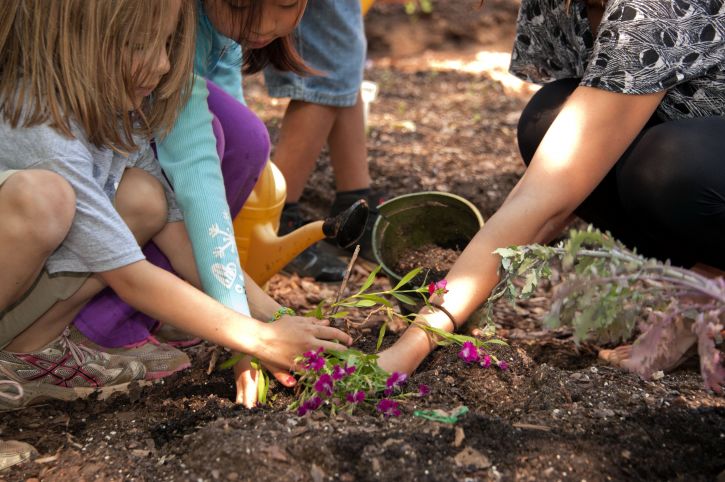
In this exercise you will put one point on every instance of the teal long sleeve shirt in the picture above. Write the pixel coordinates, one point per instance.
(189, 157)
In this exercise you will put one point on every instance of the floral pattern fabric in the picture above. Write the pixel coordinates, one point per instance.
(642, 46)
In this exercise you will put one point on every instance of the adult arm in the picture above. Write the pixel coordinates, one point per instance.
(592, 131)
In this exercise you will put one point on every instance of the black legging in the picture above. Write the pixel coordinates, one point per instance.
(666, 194)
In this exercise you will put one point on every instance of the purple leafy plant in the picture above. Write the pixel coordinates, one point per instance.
(609, 292)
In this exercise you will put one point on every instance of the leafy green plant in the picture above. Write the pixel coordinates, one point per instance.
(607, 291)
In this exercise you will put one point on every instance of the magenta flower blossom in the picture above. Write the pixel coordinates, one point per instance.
(423, 390)
(324, 385)
(309, 406)
(388, 407)
(503, 365)
(469, 352)
(338, 373)
(437, 287)
(395, 381)
(356, 397)
(486, 362)
(314, 360)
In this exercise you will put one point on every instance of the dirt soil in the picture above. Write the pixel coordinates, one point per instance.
(445, 120)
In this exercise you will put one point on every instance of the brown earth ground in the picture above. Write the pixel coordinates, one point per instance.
(445, 120)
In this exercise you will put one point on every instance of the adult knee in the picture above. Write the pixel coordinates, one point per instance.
(141, 202)
(42, 207)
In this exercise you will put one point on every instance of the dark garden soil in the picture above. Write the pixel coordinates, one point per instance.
(445, 120)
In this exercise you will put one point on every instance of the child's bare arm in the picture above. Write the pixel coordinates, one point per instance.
(164, 296)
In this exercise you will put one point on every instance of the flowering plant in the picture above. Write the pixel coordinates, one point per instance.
(348, 380)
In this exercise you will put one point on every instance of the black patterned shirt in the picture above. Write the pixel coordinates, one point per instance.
(642, 46)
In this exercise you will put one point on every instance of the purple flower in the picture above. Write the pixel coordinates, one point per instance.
(437, 287)
(314, 360)
(338, 373)
(388, 407)
(350, 370)
(395, 380)
(356, 397)
(423, 390)
(324, 385)
(309, 406)
(503, 365)
(309, 355)
(469, 352)
(486, 362)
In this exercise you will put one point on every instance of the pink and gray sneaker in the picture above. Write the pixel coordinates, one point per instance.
(159, 359)
(63, 370)
(173, 336)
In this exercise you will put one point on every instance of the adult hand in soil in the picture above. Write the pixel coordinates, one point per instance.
(291, 336)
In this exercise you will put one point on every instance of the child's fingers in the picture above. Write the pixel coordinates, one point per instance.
(246, 380)
(330, 333)
(329, 345)
(284, 377)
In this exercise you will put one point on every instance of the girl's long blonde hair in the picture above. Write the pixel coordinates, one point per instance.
(64, 61)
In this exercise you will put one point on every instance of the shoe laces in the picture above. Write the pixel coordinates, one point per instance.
(81, 354)
(11, 396)
(150, 339)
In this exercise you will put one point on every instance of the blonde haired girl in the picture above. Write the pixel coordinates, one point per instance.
(80, 191)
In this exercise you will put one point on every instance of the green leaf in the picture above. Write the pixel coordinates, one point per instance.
(404, 298)
(505, 252)
(362, 304)
(531, 281)
(377, 299)
(263, 387)
(405, 279)
(340, 314)
(230, 362)
(495, 341)
(371, 279)
(381, 335)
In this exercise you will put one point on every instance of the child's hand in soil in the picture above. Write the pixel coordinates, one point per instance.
(289, 337)
(246, 378)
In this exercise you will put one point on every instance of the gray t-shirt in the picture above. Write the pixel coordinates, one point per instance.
(98, 240)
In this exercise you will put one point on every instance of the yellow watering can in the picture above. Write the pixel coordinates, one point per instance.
(366, 4)
(262, 252)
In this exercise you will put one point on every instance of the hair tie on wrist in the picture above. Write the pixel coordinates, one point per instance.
(448, 314)
(282, 312)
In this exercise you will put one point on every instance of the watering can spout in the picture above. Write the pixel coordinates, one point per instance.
(262, 252)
